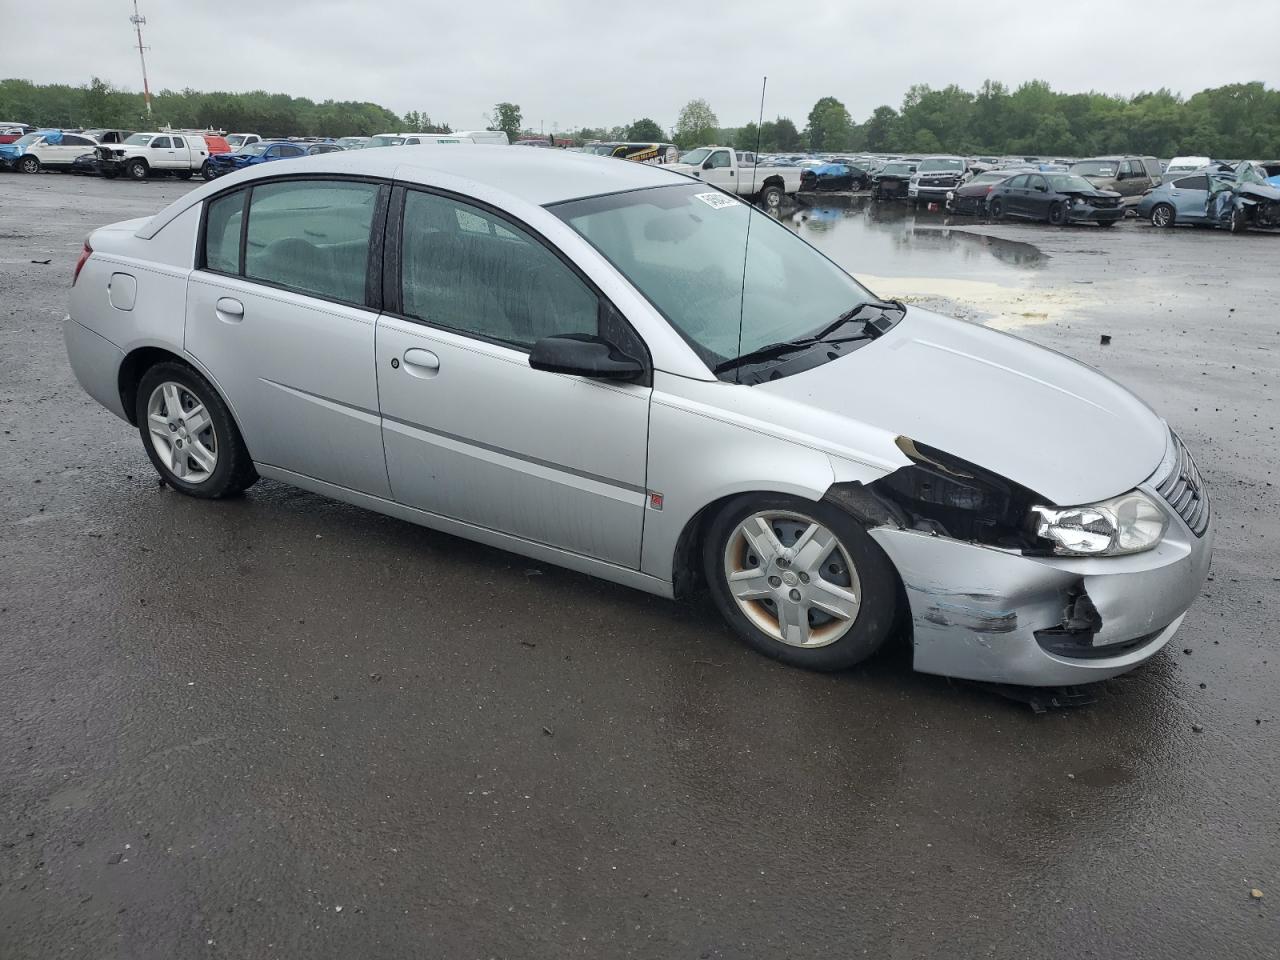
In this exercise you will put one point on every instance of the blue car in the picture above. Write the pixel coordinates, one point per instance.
(262, 152)
(1235, 203)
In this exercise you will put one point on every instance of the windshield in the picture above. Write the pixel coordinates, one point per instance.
(138, 140)
(27, 140)
(940, 163)
(1067, 183)
(385, 140)
(1094, 168)
(896, 168)
(696, 156)
(600, 149)
(682, 247)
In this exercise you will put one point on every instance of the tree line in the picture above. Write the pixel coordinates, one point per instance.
(1235, 121)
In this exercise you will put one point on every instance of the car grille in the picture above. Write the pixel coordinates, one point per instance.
(1104, 202)
(939, 181)
(1184, 489)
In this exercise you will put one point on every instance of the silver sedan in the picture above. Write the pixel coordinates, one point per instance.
(569, 357)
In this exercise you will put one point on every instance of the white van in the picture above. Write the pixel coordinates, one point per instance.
(1181, 166)
(495, 137)
(415, 139)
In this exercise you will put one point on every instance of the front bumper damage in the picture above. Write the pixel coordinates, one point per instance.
(999, 615)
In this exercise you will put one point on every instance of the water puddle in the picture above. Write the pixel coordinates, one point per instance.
(928, 260)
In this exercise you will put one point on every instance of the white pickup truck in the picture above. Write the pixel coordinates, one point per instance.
(739, 173)
(143, 154)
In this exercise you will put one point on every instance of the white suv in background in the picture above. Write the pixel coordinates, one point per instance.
(45, 148)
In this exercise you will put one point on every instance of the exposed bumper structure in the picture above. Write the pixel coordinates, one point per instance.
(983, 613)
(1087, 213)
(96, 363)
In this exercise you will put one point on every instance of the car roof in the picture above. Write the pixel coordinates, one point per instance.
(538, 177)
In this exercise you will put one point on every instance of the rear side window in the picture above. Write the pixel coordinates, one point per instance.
(290, 151)
(310, 236)
(178, 142)
(222, 232)
(1192, 183)
(468, 270)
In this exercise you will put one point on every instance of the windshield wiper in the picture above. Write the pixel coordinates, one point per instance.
(869, 331)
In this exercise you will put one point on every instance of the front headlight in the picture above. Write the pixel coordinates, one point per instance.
(1127, 524)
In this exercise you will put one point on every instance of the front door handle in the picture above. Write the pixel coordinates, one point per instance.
(229, 309)
(421, 363)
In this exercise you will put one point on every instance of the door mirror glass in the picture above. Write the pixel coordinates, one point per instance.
(582, 355)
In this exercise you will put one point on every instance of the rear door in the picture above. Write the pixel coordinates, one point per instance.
(71, 147)
(1190, 198)
(471, 431)
(1036, 198)
(281, 312)
(1015, 195)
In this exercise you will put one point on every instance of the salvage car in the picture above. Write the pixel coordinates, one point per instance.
(970, 198)
(44, 150)
(264, 151)
(566, 357)
(893, 180)
(934, 178)
(238, 140)
(1130, 177)
(1056, 198)
(833, 176)
(144, 155)
(1236, 203)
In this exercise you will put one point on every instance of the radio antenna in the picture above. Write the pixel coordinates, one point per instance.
(746, 244)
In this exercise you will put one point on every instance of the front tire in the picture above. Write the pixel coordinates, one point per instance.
(138, 170)
(29, 165)
(206, 171)
(1162, 215)
(1058, 214)
(189, 434)
(800, 582)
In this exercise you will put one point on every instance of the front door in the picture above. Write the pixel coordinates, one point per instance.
(283, 326)
(717, 169)
(470, 430)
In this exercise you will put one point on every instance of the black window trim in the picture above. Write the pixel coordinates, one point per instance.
(373, 285)
(607, 313)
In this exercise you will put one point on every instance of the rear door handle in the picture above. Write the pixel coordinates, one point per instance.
(228, 308)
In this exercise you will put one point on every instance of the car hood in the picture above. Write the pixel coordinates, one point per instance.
(1031, 414)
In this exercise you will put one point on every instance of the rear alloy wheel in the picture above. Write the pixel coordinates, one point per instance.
(800, 582)
(29, 165)
(137, 169)
(1162, 215)
(771, 197)
(1058, 213)
(189, 434)
(997, 209)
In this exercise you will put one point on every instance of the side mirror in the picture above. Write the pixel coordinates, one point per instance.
(583, 355)
(1042, 188)
(1120, 175)
(706, 164)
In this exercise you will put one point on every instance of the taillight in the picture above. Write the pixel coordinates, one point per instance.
(84, 258)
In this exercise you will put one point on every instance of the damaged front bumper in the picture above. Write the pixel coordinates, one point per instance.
(993, 614)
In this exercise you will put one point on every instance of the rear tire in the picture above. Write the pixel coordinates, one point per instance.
(138, 170)
(834, 599)
(771, 197)
(1162, 215)
(996, 208)
(189, 434)
(29, 164)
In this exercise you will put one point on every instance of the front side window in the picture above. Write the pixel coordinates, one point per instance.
(1037, 183)
(311, 236)
(466, 269)
(1018, 183)
(682, 248)
(291, 151)
(719, 159)
(160, 143)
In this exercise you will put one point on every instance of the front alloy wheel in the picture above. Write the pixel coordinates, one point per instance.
(29, 165)
(801, 582)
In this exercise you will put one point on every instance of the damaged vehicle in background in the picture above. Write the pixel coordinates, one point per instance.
(970, 198)
(1236, 203)
(568, 358)
(1056, 198)
(934, 178)
(893, 180)
(833, 176)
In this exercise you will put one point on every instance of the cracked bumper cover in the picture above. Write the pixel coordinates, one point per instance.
(976, 610)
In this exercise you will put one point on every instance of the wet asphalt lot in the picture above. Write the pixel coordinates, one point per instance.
(284, 727)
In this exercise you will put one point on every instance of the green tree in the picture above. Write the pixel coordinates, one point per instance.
(645, 130)
(696, 125)
(830, 127)
(880, 132)
(506, 117)
(786, 136)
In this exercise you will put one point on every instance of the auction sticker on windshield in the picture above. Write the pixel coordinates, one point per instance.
(716, 200)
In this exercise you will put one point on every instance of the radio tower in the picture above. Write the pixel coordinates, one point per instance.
(138, 20)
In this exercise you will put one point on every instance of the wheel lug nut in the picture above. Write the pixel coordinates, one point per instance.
(775, 581)
(804, 578)
(795, 595)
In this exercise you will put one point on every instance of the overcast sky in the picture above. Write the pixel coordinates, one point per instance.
(572, 63)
